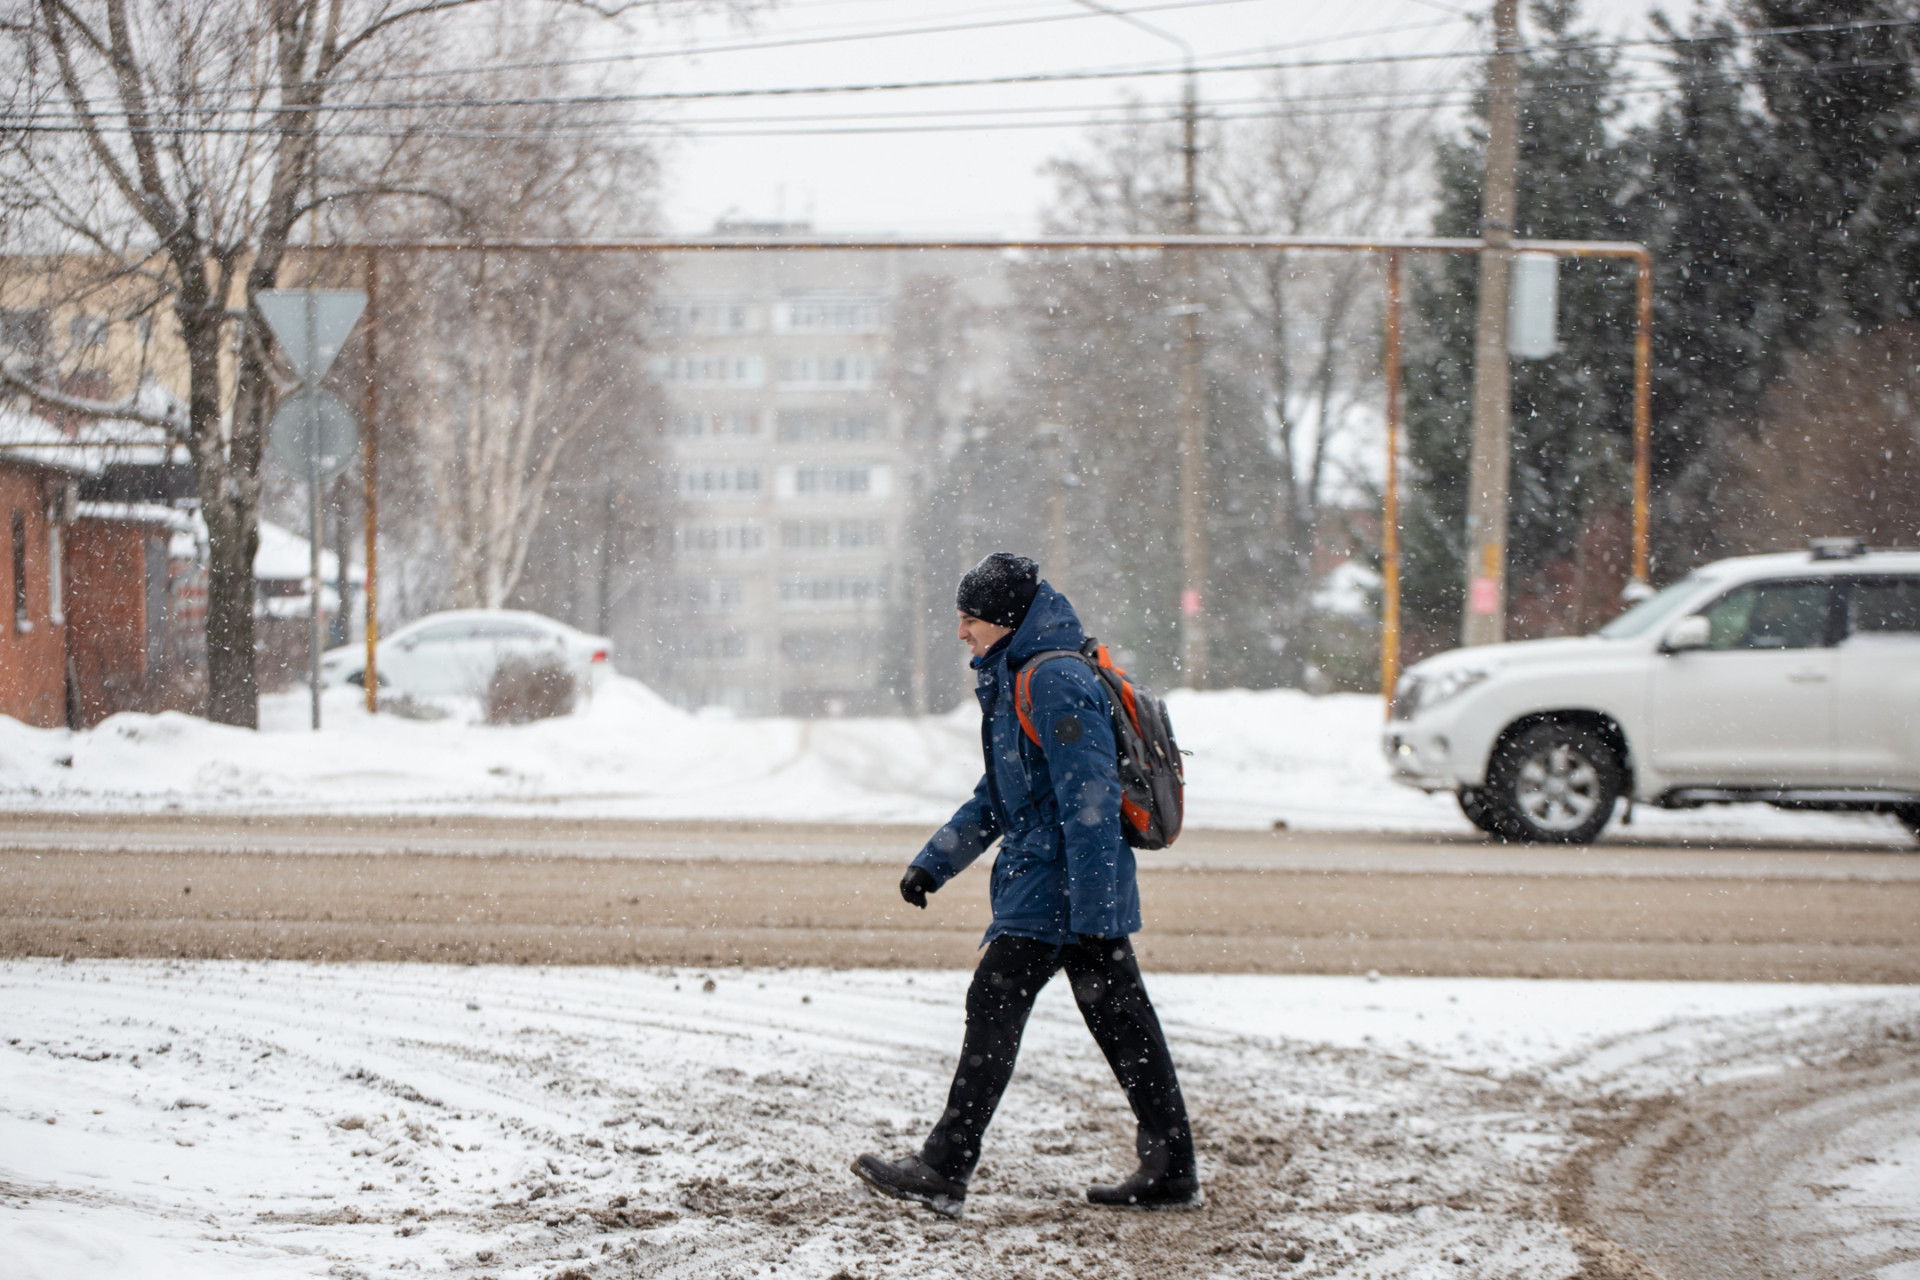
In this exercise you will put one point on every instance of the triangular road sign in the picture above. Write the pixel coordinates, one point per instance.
(311, 324)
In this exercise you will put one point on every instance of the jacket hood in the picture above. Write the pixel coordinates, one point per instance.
(1050, 623)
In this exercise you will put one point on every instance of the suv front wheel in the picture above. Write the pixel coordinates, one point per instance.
(1554, 783)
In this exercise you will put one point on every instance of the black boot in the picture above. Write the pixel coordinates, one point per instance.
(1149, 1190)
(911, 1178)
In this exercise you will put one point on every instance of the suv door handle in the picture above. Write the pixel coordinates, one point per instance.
(1808, 677)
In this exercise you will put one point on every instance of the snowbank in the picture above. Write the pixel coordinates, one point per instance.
(1256, 758)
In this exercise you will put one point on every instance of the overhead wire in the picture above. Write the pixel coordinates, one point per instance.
(53, 122)
(645, 55)
(1045, 77)
(1356, 103)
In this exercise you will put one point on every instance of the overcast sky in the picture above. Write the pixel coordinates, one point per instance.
(758, 159)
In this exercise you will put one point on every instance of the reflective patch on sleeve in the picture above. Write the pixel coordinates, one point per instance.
(1067, 729)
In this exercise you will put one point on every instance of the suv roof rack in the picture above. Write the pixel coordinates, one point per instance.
(1837, 548)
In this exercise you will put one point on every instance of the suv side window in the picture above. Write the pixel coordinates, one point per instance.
(1883, 609)
(1771, 615)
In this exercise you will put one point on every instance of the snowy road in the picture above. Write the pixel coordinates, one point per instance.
(509, 890)
(225, 1119)
(1626, 852)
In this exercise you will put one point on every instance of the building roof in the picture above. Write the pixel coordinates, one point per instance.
(153, 513)
(283, 556)
(95, 444)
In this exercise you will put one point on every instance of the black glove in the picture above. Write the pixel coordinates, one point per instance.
(916, 885)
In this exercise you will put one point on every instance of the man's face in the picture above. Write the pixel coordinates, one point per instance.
(980, 635)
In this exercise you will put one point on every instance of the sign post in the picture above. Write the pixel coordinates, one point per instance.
(311, 325)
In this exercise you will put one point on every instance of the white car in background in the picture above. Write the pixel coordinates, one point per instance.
(1790, 679)
(455, 653)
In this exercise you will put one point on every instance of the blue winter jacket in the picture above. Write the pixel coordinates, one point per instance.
(1064, 869)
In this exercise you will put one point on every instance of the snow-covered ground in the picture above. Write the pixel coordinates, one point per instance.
(1257, 758)
(220, 1119)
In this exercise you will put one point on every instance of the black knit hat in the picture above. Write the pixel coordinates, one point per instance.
(999, 589)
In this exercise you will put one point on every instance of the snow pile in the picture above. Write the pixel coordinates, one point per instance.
(1256, 758)
(217, 1119)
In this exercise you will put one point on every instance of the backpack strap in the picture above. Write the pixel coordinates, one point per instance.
(1023, 688)
(1095, 654)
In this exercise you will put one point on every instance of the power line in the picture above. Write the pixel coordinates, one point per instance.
(1359, 103)
(791, 91)
(1048, 77)
(1423, 98)
(800, 41)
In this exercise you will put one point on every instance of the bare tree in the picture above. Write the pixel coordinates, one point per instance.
(540, 357)
(505, 363)
(1307, 326)
(173, 145)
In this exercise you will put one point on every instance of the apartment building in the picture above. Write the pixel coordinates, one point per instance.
(796, 465)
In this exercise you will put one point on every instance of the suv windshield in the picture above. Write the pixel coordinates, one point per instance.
(1651, 612)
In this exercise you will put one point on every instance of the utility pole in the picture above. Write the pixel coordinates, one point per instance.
(1193, 414)
(1485, 620)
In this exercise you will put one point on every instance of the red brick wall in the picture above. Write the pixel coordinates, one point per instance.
(107, 615)
(33, 677)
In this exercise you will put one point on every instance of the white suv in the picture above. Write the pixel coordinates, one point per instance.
(1792, 679)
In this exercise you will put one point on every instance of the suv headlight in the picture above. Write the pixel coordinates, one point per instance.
(1418, 694)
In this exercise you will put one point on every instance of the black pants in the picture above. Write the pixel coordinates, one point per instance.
(1113, 1000)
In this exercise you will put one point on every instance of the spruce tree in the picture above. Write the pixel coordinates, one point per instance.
(1841, 105)
(1720, 271)
(1772, 230)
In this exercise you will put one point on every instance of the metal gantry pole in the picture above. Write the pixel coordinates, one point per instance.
(370, 484)
(1642, 418)
(316, 620)
(1390, 498)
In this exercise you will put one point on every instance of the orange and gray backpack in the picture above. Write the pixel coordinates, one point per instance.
(1152, 780)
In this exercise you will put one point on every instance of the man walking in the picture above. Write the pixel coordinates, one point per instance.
(1064, 897)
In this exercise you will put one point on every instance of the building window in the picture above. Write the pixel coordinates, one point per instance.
(829, 315)
(829, 646)
(711, 370)
(718, 481)
(711, 595)
(843, 590)
(717, 646)
(719, 538)
(824, 535)
(806, 535)
(847, 481)
(702, 315)
(815, 481)
(86, 332)
(816, 424)
(838, 372)
(858, 534)
(56, 573)
(21, 622)
(692, 424)
(23, 331)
